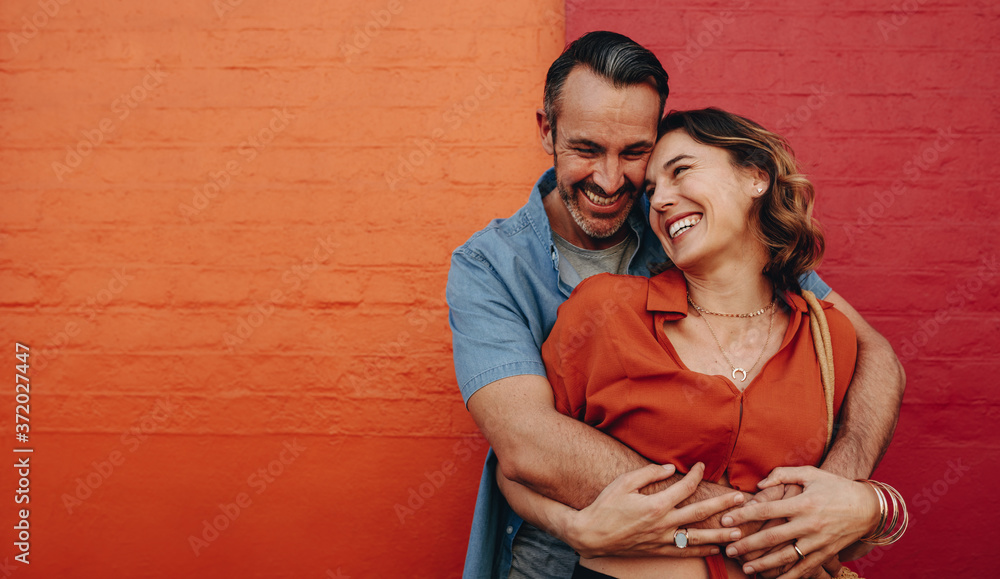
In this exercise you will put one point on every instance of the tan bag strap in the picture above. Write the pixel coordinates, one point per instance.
(824, 353)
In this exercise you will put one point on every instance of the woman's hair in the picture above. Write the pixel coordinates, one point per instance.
(781, 218)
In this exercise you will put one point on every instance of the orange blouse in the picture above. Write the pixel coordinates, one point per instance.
(611, 365)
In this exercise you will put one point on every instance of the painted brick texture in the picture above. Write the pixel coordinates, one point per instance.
(225, 237)
(893, 108)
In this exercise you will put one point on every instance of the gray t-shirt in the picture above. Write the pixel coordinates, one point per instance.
(535, 553)
(588, 262)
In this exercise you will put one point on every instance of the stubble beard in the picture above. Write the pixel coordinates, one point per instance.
(596, 227)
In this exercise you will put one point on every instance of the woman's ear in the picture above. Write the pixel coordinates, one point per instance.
(760, 183)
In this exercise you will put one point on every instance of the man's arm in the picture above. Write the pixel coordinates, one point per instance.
(623, 520)
(537, 446)
(871, 408)
(558, 456)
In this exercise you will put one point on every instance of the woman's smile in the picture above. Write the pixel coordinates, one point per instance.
(683, 225)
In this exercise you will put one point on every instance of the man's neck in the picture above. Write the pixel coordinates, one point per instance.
(565, 226)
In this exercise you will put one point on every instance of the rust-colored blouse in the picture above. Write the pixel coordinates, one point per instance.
(611, 365)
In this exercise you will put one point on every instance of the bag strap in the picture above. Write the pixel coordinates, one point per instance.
(824, 354)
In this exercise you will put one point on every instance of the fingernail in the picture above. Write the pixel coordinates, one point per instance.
(714, 550)
(731, 551)
(727, 520)
(748, 570)
(751, 502)
(735, 535)
(738, 498)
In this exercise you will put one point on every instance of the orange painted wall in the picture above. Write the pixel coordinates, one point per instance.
(225, 238)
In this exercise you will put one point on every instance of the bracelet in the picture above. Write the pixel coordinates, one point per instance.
(887, 531)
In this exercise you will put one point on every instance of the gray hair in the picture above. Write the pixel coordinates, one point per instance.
(610, 55)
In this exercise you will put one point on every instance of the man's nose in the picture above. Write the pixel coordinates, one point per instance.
(610, 175)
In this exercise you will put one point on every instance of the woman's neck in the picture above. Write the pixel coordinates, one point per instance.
(734, 288)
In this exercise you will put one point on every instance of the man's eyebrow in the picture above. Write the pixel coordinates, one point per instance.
(680, 157)
(585, 143)
(641, 145)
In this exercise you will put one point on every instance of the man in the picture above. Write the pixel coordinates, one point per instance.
(603, 99)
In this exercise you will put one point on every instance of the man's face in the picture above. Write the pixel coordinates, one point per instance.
(603, 139)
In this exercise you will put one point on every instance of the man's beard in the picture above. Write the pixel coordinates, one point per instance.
(597, 227)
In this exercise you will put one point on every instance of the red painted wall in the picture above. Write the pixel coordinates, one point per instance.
(225, 234)
(894, 109)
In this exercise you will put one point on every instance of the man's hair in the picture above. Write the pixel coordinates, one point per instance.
(781, 217)
(616, 58)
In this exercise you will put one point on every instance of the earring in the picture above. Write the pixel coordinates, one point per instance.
(760, 189)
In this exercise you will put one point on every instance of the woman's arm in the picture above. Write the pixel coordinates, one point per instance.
(622, 518)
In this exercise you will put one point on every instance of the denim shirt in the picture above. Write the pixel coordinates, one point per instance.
(505, 286)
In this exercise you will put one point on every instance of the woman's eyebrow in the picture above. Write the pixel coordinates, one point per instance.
(680, 157)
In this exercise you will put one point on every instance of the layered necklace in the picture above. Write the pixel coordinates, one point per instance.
(770, 323)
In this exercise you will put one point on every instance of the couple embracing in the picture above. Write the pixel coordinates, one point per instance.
(668, 388)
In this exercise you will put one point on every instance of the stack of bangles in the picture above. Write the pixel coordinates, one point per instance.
(889, 530)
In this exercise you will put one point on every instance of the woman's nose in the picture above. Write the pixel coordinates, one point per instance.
(662, 198)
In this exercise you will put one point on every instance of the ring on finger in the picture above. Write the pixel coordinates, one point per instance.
(680, 538)
(798, 552)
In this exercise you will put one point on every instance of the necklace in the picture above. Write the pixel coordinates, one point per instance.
(750, 315)
(770, 323)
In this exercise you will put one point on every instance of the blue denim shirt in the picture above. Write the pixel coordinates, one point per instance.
(504, 288)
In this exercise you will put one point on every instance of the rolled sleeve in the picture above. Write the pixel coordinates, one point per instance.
(812, 282)
(491, 337)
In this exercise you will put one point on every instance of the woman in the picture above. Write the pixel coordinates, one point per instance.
(710, 367)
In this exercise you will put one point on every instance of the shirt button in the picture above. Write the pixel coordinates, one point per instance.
(510, 530)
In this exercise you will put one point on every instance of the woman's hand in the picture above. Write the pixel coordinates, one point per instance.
(623, 521)
(830, 514)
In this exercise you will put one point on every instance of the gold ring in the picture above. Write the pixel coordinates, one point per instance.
(796, 547)
(680, 538)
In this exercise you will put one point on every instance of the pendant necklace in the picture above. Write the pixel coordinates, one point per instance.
(770, 323)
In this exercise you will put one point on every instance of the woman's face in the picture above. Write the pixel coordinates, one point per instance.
(699, 203)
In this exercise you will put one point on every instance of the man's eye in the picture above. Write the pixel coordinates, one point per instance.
(585, 151)
(635, 154)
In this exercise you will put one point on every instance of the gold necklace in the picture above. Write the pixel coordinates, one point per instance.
(750, 315)
(723, 350)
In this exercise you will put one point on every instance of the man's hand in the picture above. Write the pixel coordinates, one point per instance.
(830, 514)
(769, 494)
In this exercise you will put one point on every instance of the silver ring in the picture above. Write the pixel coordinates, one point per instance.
(796, 547)
(680, 538)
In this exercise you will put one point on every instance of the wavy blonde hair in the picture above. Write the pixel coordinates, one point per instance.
(781, 218)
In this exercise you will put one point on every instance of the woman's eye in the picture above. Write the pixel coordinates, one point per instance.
(649, 191)
(677, 170)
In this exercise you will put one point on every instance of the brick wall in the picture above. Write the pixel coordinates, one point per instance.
(225, 239)
(893, 108)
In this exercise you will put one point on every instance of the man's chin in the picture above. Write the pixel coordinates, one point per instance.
(600, 229)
